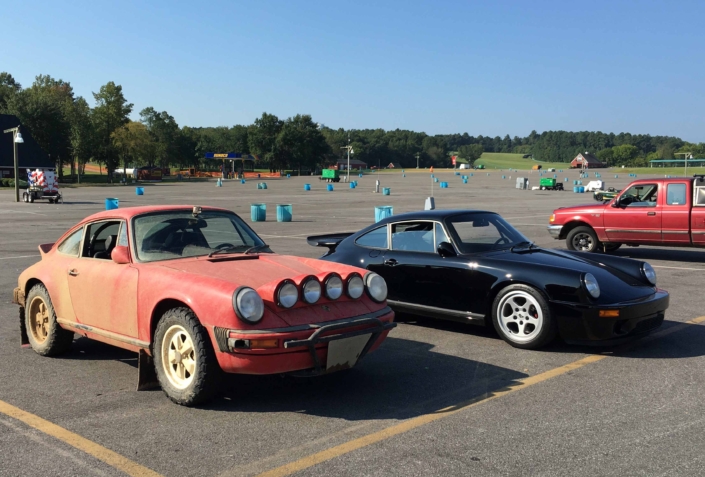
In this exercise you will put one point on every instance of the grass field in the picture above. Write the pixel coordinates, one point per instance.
(499, 160)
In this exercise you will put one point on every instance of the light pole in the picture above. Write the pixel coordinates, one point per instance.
(350, 151)
(417, 160)
(16, 139)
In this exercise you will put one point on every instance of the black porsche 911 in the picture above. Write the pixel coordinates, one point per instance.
(473, 266)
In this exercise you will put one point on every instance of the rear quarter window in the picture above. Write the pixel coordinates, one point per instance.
(71, 244)
(376, 238)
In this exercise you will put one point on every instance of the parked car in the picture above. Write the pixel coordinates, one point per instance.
(665, 212)
(603, 195)
(195, 291)
(474, 267)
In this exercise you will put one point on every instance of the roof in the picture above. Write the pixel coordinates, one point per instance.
(127, 213)
(394, 165)
(29, 153)
(589, 158)
(677, 160)
(437, 214)
(352, 161)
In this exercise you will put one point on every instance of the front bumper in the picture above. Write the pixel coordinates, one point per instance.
(581, 324)
(555, 231)
(300, 348)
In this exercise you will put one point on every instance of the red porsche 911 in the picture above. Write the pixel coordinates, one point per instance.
(195, 292)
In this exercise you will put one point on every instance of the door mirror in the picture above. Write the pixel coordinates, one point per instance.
(120, 254)
(446, 250)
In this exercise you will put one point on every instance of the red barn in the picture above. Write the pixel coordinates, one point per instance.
(586, 161)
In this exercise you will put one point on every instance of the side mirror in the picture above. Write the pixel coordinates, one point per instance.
(446, 250)
(120, 254)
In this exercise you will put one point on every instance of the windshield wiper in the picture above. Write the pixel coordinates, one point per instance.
(256, 248)
(225, 250)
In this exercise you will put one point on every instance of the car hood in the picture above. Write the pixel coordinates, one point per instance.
(579, 208)
(617, 284)
(253, 270)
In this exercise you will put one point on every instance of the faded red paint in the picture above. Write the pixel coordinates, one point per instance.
(120, 300)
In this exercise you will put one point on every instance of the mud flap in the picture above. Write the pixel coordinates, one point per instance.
(146, 374)
(24, 339)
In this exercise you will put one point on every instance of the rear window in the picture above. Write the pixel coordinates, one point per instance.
(675, 194)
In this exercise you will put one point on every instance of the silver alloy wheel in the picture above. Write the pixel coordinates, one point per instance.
(178, 357)
(583, 242)
(520, 317)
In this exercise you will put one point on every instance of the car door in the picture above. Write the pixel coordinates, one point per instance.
(675, 226)
(104, 293)
(636, 216)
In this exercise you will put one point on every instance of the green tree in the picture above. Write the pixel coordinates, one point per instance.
(165, 133)
(82, 138)
(110, 113)
(134, 144)
(624, 154)
(262, 139)
(470, 153)
(8, 88)
(300, 143)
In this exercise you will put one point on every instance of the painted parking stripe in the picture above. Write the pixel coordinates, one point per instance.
(410, 424)
(101, 453)
(19, 256)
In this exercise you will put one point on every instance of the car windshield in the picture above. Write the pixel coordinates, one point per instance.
(482, 232)
(170, 235)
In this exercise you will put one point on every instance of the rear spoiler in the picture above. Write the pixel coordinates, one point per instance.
(329, 240)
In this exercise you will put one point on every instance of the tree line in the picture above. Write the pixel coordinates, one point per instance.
(74, 132)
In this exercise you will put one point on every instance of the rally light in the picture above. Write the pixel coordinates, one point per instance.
(287, 294)
(609, 313)
(333, 286)
(311, 290)
(376, 287)
(355, 286)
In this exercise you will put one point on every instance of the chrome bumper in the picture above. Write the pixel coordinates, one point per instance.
(555, 231)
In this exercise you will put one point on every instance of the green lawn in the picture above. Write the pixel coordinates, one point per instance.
(500, 160)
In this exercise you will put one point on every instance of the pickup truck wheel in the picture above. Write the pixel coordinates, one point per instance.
(184, 359)
(521, 316)
(582, 239)
(45, 335)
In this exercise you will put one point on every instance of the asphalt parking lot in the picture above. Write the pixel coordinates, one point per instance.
(436, 399)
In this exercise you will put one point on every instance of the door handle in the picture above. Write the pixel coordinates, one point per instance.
(391, 262)
(651, 213)
(73, 272)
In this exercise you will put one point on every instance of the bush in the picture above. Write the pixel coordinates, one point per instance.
(11, 183)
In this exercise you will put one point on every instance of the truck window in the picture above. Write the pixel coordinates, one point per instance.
(675, 194)
(642, 195)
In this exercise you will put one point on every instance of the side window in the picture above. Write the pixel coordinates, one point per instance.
(440, 235)
(72, 244)
(413, 237)
(376, 238)
(101, 238)
(675, 194)
(642, 195)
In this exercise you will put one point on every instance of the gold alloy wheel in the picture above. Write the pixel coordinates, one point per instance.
(39, 319)
(178, 357)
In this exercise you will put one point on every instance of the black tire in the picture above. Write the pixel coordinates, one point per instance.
(47, 338)
(611, 247)
(195, 388)
(582, 239)
(531, 326)
(24, 197)
(598, 197)
(31, 198)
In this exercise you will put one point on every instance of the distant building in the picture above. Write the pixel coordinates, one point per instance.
(394, 165)
(29, 154)
(342, 164)
(586, 161)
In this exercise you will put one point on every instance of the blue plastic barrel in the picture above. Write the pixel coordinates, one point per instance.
(242, 181)
(580, 182)
(616, 176)
(329, 187)
(360, 175)
(383, 211)
(352, 185)
(432, 176)
(386, 191)
(139, 190)
(576, 189)
(111, 203)
(435, 179)
(465, 181)
(403, 175)
(284, 213)
(258, 212)
(288, 176)
(504, 177)
(307, 186)
(555, 176)
(457, 173)
(471, 174)
(581, 189)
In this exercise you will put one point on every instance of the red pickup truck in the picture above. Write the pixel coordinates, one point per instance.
(666, 212)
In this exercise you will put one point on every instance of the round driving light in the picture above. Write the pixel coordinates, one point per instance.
(649, 273)
(591, 285)
(288, 294)
(311, 290)
(248, 305)
(334, 287)
(356, 287)
(376, 287)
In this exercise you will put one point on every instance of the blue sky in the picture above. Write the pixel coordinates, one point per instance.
(490, 68)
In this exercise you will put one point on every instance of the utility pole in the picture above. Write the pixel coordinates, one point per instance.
(417, 159)
(16, 139)
(350, 150)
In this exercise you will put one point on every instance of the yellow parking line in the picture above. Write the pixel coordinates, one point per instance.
(410, 424)
(111, 458)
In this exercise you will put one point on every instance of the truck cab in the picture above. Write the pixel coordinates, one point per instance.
(663, 212)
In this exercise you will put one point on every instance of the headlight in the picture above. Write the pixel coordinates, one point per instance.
(356, 287)
(649, 273)
(311, 290)
(334, 287)
(248, 305)
(376, 287)
(591, 285)
(288, 294)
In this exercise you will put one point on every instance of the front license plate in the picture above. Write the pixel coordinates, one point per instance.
(343, 354)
